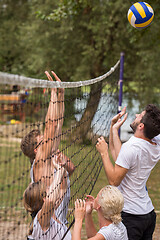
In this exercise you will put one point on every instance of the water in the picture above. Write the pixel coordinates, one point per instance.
(126, 131)
(100, 123)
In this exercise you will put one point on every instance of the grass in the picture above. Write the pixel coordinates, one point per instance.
(153, 186)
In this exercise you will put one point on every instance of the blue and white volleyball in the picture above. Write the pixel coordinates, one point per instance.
(140, 15)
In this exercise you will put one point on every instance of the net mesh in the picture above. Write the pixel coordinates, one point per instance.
(88, 110)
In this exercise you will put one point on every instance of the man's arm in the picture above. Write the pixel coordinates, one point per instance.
(114, 140)
(111, 144)
(59, 116)
(69, 166)
(50, 120)
(43, 160)
(115, 174)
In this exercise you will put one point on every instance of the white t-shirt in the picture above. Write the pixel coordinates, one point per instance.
(114, 232)
(139, 157)
(56, 231)
(156, 139)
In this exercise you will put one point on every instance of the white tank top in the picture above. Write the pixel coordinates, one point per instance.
(55, 231)
(61, 211)
(31, 172)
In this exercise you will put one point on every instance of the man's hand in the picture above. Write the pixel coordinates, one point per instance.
(51, 79)
(118, 116)
(102, 146)
(56, 78)
(120, 122)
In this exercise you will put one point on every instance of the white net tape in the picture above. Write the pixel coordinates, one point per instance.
(6, 78)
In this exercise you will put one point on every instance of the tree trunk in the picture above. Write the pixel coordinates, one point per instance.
(83, 126)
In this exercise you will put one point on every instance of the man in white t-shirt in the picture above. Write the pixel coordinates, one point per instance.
(134, 161)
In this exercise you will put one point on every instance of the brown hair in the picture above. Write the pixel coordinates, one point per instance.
(29, 142)
(151, 121)
(33, 199)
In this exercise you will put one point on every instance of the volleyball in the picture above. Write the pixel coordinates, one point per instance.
(140, 15)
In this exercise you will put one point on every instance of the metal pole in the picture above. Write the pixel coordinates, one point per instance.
(121, 84)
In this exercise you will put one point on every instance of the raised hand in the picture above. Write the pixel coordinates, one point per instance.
(55, 162)
(89, 204)
(62, 159)
(58, 80)
(80, 207)
(101, 145)
(118, 116)
(54, 90)
(61, 90)
(120, 122)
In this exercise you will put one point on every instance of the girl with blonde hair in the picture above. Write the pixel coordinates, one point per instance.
(108, 204)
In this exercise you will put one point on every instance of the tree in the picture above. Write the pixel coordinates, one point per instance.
(80, 39)
(12, 16)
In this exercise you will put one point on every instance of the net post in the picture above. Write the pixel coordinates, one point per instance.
(120, 83)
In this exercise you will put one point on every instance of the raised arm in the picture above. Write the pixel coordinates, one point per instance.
(50, 121)
(43, 160)
(79, 216)
(114, 174)
(84, 208)
(89, 224)
(111, 144)
(59, 116)
(53, 194)
(114, 140)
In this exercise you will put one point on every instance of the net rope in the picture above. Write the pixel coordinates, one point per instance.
(26, 112)
(6, 78)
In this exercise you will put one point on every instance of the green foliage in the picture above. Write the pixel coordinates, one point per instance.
(79, 39)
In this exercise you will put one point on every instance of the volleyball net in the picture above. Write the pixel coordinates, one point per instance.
(89, 107)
